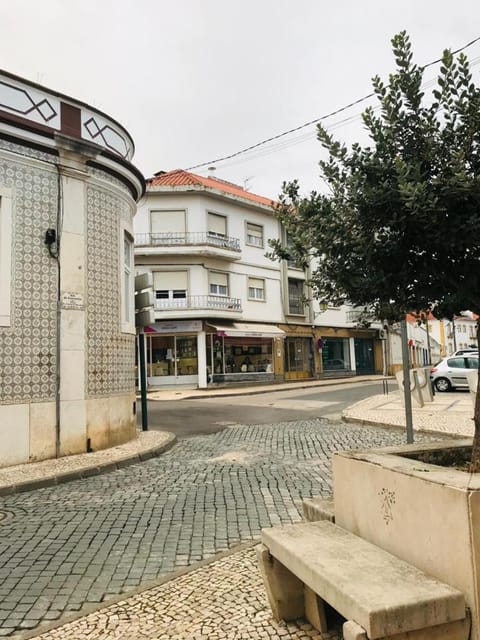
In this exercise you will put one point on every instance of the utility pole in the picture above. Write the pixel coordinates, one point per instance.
(406, 382)
(144, 315)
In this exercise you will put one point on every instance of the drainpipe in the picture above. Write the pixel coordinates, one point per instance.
(52, 238)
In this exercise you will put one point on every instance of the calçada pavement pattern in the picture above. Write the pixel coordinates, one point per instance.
(83, 543)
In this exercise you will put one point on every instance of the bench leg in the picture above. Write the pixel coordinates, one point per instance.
(353, 631)
(284, 589)
(315, 610)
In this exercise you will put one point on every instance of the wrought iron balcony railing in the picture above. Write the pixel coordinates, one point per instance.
(221, 303)
(173, 239)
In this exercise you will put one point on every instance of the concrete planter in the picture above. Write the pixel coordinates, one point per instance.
(425, 514)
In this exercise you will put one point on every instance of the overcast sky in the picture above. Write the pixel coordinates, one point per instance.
(195, 80)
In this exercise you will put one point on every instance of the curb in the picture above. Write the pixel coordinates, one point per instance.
(88, 472)
(388, 425)
(239, 391)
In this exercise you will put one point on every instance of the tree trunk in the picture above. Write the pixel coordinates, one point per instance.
(475, 461)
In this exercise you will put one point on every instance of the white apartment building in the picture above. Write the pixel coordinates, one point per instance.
(224, 311)
(460, 333)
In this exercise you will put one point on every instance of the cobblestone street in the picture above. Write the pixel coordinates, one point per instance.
(85, 542)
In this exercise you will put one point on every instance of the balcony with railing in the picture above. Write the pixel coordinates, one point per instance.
(188, 242)
(221, 305)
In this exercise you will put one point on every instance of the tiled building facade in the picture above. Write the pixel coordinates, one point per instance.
(67, 198)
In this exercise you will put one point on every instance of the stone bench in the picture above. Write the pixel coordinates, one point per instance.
(315, 509)
(307, 564)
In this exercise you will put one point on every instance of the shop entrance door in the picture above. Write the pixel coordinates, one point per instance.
(186, 359)
(172, 360)
(364, 360)
(298, 358)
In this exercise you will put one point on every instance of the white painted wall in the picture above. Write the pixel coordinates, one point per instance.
(253, 262)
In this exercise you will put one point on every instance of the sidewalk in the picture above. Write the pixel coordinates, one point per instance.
(35, 475)
(447, 414)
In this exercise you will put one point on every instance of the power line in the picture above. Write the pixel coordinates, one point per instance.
(281, 145)
(315, 120)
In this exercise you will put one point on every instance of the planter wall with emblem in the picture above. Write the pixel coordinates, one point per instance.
(425, 514)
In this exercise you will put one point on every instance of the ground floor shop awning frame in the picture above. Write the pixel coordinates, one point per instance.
(246, 330)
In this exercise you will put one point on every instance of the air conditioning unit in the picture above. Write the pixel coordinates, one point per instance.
(382, 334)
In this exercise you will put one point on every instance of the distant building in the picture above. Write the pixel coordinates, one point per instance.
(224, 311)
(67, 200)
(461, 332)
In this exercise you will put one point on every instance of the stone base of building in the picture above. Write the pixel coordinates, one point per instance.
(29, 429)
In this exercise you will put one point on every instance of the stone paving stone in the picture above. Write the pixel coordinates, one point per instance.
(79, 542)
(221, 601)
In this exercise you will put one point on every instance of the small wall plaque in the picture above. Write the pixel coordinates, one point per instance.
(72, 300)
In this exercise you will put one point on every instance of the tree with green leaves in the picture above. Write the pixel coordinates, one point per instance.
(398, 228)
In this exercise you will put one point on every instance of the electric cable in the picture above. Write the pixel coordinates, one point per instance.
(316, 120)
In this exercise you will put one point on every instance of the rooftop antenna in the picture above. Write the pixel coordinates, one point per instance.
(246, 186)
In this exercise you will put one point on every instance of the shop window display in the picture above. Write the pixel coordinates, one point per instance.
(172, 356)
(336, 354)
(240, 355)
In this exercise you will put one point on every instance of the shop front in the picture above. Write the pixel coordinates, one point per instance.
(172, 353)
(336, 355)
(243, 352)
(345, 351)
(299, 358)
(364, 356)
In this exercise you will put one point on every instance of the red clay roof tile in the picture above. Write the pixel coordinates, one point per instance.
(179, 177)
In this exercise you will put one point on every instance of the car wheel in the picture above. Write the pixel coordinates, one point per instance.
(442, 384)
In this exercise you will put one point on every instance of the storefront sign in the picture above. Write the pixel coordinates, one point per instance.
(247, 330)
(176, 326)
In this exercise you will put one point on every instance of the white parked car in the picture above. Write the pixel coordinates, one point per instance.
(451, 373)
(465, 352)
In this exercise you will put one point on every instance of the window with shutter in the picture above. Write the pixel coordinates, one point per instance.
(254, 234)
(256, 289)
(218, 283)
(217, 225)
(170, 288)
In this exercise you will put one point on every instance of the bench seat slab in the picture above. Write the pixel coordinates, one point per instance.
(458, 630)
(383, 594)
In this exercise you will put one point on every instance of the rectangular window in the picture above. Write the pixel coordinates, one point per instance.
(295, 297)
(168, 226)
(217, 225)
(128, 286)
(293, 264)
(256, 289)
(218, 283)
(254, 234)
(170, 289)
